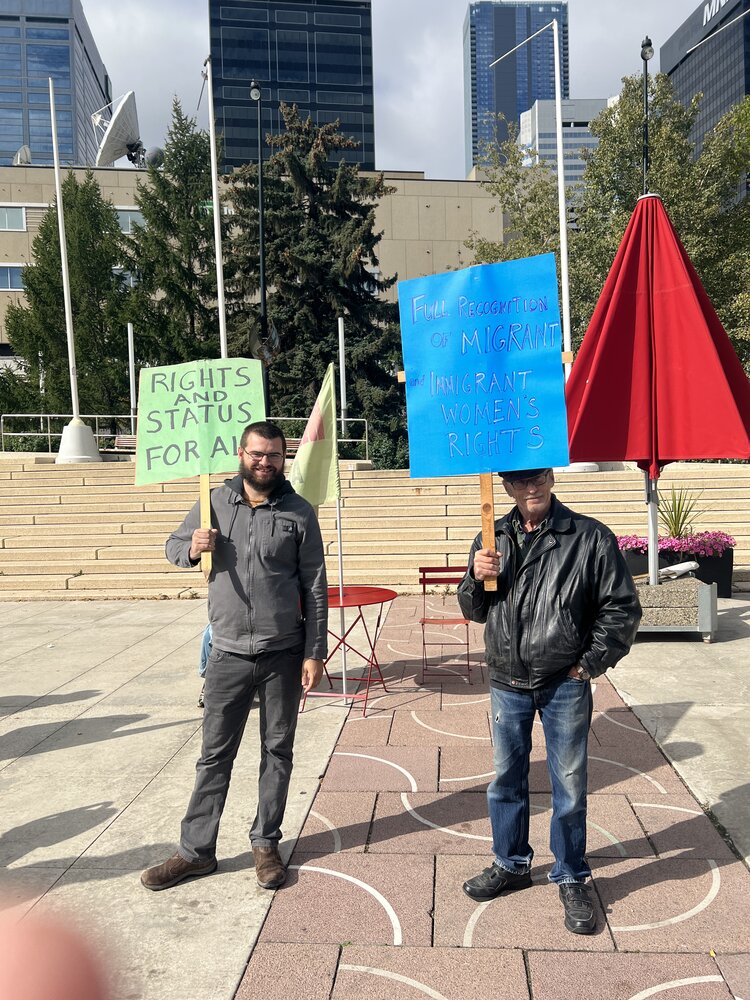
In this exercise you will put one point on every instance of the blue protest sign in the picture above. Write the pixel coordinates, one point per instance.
(484, 377)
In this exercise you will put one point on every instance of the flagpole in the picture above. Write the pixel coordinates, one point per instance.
(342, 614)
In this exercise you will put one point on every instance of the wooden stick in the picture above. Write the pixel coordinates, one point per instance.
(487, 497)
(205, 497)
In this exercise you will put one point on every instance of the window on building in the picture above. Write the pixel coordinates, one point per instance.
(11, 279)
(342, 20)
(338, 58)
(10, 58)
(129, 216)
(44, 61)
(12, 219)
(58, 34)
(11, 127)
(291, 17)
(242, 14)
(293, 62)
(245, 54)
(61, 99)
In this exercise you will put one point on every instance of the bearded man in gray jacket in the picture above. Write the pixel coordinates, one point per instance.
(268, 607)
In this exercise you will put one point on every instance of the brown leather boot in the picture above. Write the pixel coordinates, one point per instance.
(270, 872)
(174, 870)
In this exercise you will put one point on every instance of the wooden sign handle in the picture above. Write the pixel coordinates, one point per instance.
(205, 499)
(487, 498)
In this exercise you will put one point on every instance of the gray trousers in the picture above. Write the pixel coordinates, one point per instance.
(232, 682)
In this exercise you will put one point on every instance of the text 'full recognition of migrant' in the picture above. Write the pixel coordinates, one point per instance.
(484, 377)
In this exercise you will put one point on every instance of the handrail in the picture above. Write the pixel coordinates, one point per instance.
(128, 420)
(47, 418)
(344, 422)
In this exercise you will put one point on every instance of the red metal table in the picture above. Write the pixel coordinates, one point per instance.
(359, 597)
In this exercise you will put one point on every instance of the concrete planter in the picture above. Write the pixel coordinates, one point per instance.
(684, 605)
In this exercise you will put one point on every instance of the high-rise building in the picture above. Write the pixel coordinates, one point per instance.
(719, 68)
(316, 54)
(492, 28)
(539, 132)
(40, 39)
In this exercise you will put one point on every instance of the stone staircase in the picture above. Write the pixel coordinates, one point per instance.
(87, 532)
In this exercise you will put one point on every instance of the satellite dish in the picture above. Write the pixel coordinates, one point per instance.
(119, 136)
(22, 157)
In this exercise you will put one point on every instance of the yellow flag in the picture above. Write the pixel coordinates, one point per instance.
(315, 471)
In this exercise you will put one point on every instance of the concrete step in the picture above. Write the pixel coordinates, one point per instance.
(87, 533)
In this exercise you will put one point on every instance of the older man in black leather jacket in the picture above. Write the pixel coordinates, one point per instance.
(565, 610)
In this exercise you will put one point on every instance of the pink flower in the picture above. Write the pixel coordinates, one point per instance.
(702, 543)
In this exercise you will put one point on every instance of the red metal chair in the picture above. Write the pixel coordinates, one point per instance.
(430, 576)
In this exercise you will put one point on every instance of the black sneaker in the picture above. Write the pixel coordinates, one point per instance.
(200, 697)
(579, 910)
(495, 880)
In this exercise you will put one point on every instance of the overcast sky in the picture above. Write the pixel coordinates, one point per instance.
(158, 48)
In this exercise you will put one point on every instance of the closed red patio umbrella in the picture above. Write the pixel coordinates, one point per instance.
(656, 378)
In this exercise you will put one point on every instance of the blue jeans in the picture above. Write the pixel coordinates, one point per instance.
(206, 644)
(565, 708)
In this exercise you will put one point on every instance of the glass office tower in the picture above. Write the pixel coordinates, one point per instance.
(41, 39)
(719, 68)
(491, 28)
(316, 54)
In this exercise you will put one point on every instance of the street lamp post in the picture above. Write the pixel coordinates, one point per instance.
(647, 52)
(255, 95)
(563, 222)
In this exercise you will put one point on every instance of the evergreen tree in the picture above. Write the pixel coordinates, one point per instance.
(172, 254)
(37, 331)
(321, 263)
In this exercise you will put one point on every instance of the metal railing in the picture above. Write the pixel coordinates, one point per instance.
(345, 430)
(124, 423)
(46, 425)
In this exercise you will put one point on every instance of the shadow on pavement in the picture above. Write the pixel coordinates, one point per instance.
(87, 731)
(17, 703)
(44, 831)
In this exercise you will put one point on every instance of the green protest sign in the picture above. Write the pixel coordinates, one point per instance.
(191, 416)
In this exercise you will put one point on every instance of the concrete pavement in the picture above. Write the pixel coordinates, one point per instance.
(99, 732)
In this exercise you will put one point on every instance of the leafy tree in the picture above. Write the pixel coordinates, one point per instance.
(527, 197)
(173, 253)
(321, 263)
(37, 331)
(699, 192)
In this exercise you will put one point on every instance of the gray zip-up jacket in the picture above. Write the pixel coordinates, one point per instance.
(267, 588)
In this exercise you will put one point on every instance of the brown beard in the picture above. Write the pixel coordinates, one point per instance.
(259, 486)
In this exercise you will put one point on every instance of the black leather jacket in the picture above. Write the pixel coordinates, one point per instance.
(572, 601)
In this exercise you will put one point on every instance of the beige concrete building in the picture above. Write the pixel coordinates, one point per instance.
(425, 223)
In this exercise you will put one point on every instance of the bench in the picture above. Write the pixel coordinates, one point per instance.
(125, 442)
(430, 576)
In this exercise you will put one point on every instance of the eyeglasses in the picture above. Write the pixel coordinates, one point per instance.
(258, 456)
(536, 482)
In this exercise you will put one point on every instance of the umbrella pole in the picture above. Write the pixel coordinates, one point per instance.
(652, 502)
